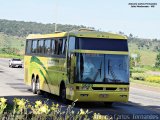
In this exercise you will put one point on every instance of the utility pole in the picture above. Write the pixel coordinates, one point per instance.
(56, 15)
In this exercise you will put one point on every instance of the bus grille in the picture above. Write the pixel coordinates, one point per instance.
(101, 88)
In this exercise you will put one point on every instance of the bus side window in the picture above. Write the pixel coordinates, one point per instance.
(56, 47)
(34, 46)
(47, 46)
(28, 48)
(40, 46)
(64, 46)
(60, 43)
(71, 45)
(53, 47)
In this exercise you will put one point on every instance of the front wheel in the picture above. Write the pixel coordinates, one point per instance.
(11, 66)
(108, 104)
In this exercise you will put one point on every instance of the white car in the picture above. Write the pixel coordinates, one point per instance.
(15, 62)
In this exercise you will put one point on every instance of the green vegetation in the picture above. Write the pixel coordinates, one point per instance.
(12, 44)
(146, 83)
(157, 64)
(10, 56)
(138, 76)
(22, 29)
(147, 57)
(154, 79)
(145, 74)
(23, 110)
(13, 33)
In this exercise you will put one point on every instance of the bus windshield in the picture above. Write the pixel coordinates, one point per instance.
(100, 68)
(101, 44)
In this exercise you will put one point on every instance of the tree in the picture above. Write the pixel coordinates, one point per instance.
(157, 64)
(130, 36)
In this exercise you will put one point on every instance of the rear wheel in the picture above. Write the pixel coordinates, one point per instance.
(34, 86)
(38, 91)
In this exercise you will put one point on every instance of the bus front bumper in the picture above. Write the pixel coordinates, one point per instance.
(98, 96)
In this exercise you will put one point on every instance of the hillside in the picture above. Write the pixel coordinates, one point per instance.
(146, 48)
(13, 33)
(21, 28)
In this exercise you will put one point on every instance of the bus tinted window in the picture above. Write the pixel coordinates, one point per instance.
(102, 44)
(53, 47)
(40, 46)
(47, 46)
(56, 47)
(64, 47)
(34, 46)
(28, 46)
(71, 43)
(60, 44)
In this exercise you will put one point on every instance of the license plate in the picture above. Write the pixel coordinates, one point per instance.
(103, 95)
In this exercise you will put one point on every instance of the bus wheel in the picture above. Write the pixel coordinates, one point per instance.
(108, 104)
(63, 94)
(34, 86)
(38, 91)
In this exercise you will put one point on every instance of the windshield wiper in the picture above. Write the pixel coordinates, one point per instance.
(99, 71)
(110, 70)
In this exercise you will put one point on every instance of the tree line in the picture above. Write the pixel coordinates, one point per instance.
(22, 29)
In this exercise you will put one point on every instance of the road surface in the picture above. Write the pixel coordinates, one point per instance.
(141, 101)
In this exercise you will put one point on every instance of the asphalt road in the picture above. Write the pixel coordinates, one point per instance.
(140, 102)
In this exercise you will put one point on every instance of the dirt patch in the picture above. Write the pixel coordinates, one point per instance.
(153, 73)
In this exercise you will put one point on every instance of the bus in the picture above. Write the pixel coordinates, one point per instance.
(83, 65)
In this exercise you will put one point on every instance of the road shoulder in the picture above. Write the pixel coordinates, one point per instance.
(145, 87)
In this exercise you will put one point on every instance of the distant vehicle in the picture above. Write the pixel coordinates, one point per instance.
(15, 62)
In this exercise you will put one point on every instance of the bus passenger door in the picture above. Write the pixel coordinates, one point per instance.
(71, 59)
(71, 67)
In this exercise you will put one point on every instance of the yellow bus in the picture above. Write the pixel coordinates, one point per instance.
(83, 65)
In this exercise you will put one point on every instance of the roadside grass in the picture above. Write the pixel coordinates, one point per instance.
(9, 107)
(148, 57)
(145, 83)
(12, 41)
(10, 56)
(151, 68)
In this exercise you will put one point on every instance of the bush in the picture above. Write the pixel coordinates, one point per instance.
(24, 110)
(8, 50)
(138, 76)
(155, 79)
(138, 70)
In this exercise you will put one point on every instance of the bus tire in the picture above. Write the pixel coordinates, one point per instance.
(38, 91)
(34, 86)
(63, 94)
(108, 104)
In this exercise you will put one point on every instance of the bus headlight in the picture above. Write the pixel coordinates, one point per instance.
(71, 90)
(123, 89)
(82, 88)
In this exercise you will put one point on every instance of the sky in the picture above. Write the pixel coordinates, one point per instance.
(105, 15)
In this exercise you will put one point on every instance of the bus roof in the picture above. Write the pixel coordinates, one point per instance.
(88, 34)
